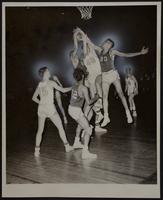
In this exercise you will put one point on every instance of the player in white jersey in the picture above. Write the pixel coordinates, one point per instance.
(46, 108)
(91, 62)
(110, 75)
(131, 88)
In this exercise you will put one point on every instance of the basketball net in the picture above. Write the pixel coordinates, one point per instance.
(85, 11)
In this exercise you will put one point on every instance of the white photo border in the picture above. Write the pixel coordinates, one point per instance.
(79, 190)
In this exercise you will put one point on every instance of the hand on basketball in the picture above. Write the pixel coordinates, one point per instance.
(77, 30)
(144, 50)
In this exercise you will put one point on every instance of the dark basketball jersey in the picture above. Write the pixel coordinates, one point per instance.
(106, 62)
(76, 100)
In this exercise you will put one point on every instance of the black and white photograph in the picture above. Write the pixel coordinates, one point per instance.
(81, 99)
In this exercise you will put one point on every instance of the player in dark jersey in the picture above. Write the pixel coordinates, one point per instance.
(79, 95)
(106, 55)
(77, 63)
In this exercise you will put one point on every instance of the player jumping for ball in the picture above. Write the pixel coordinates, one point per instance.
(92, 64)
(107, 55)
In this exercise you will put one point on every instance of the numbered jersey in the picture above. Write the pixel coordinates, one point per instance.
(46, 93)
(106, 62)
(76, 100)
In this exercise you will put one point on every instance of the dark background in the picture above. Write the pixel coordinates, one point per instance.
(37, 36)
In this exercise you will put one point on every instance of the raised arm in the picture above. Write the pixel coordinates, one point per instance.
(61, 89)
(85, 45)
(74, 59)
(35, 96)
(91, 44)
(88, 41)
(142, 52)
(75, 41)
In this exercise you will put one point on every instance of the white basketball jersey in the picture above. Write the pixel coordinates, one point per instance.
(92, 63)
(46, 93)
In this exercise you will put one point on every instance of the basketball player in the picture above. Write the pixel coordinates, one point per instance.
(46, 108)
(78, 63)
(132, 89)
(79, 95)
(59, 100)
(107, 55)
(91, 62)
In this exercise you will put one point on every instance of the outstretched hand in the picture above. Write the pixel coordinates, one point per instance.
(144, 50)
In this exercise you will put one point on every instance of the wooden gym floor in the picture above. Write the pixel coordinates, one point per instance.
(126, 154)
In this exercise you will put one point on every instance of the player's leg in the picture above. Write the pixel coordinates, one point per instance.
(118, 87)
(98, 105)
(134, 113)
(58, 123)
(77, 143)
(130, 102)
(80, 131)
(41, 122)
(83, 122)
(98, 83)
(105, 90)
(59, 102)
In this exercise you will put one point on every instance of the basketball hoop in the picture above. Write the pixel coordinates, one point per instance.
(85, 11)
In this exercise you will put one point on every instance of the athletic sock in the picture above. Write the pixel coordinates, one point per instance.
(37, 151)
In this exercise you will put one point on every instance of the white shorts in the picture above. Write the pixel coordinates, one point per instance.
(93, 75)
(94, 68)
(46, 110)
(130, 91)
(91, 86)
(110, 76)
(75, 112)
